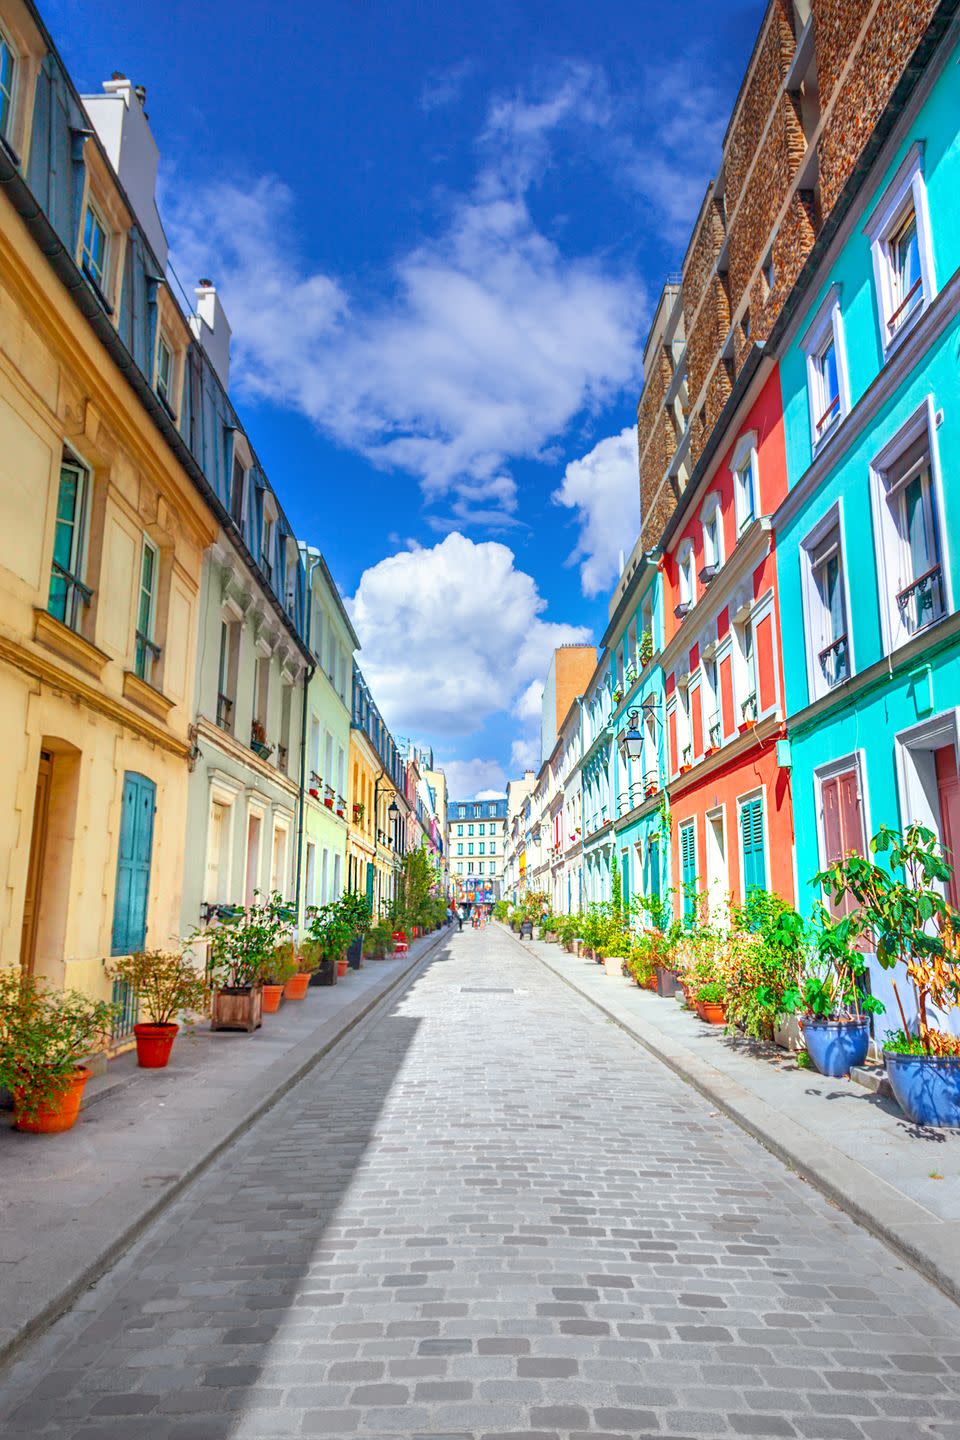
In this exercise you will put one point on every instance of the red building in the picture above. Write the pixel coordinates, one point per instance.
(730, 804)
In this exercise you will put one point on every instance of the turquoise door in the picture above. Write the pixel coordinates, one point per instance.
(751, 839)
(370, 873)
(133, 864)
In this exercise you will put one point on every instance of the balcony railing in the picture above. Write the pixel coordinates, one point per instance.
(921, 602)
(834, 662)
(714, 735)
(67, 594)
(146, 654)
(225, 712)
(906, 306)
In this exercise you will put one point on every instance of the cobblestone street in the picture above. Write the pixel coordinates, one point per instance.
(491, 1213)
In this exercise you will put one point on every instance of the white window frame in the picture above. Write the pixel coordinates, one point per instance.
(686, 574)
(855, 760)
(888, 541)
(12, 94)
(745, 457)
(167, 392)
(744, 670)
(150, 632)
(711, 518)
(813, 601)
(826, 325)
(725, 648)
(103, 284)
(906, 190)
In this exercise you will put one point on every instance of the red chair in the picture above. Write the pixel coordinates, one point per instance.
(400, 943)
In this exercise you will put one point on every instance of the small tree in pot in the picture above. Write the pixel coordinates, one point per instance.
(902, 910)
(165, 983)
(44, 1034)
(829, 990)
(278, 970)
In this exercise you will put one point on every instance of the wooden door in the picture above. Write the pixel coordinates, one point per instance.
(35, 865)
(948, 793)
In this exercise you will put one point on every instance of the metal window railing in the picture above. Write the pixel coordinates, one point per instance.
(921, 602)
(225, 712)
(147, 653)
(67, 594)
(834, 661)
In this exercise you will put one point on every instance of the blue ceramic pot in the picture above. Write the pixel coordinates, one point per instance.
(835, 1045)
(926, 1087)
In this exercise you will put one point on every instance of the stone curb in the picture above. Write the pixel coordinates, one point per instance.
(288, 1070)
(929, 1244)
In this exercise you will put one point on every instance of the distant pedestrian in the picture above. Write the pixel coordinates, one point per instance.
(459, 921)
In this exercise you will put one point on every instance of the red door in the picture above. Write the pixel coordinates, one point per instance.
(948, 793)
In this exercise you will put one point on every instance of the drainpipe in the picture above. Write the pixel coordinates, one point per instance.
(309, 673)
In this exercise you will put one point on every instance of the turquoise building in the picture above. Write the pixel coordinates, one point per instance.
(634, 639)
(868, 537)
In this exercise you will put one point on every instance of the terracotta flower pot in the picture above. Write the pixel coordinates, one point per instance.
(154, 1043)
(713, 1012)
(296, 986)
(272, 995)
(57, 1114)
(342, 967)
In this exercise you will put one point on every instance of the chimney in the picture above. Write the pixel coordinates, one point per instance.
(124, 132)
(212, 329)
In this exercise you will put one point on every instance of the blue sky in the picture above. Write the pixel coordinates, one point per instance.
(438, 232)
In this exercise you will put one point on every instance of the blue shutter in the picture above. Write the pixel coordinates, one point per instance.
(751, 837)
(133, 864)
(653, 854)
(370, 875)
(688, 863)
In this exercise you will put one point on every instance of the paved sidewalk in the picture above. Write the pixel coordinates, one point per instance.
(491, 1215)
(69, 1204)
(900, 1180)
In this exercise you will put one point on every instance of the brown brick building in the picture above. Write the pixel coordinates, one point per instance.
(820, 73)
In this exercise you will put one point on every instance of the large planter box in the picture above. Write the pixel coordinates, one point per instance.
(536, 932)
(355, 953)
(613, 964)
(237, 1009)
(787, 1033)
(667, 982)
(325, 974)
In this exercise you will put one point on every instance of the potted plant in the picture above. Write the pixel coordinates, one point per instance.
(316, 784)
(277, 971)
(646, 648)
(903, 911)
(44, 1034)
(258, 740)
(830, 992)
(165, 982)
(711, 1003)
(238, 950)
(328, 795)
(357, 912)
(358, 811)
(748, 710)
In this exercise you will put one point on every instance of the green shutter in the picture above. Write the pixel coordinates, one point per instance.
(751, 837)
(688, 864)
(133, 864)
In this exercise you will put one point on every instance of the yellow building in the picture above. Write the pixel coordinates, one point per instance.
(378, 773)
(102, 533)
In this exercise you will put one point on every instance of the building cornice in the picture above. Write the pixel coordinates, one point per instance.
(228, 744)
(46, 672)
(771, 727)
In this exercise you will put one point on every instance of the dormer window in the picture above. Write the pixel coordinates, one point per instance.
(165, 372)
(266, 545)
(237, 481)
(8, 82)
(94, 253)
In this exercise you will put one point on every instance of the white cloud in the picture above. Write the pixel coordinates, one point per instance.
(482, 346)
(474, 779)
(528, 706)
(452, 634)
(603, 487)
(525, 755)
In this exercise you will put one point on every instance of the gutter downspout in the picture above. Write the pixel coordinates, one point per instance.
(309, 673)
